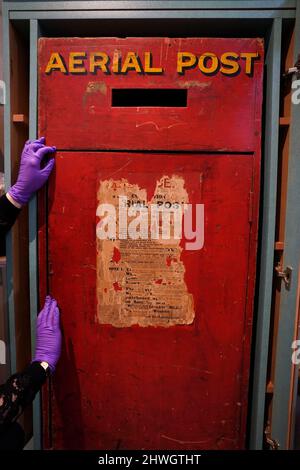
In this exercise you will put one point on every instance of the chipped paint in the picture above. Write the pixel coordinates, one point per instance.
(93, 88)
(193, 83)
(157, 127)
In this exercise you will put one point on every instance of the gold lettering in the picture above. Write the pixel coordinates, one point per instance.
(203, 61)
(131, 62)
(249, 57)
(75, 60)
(230, 59)
(185, 64)
(116, 62)
(55, 63)
(98, 60)
(148, 64)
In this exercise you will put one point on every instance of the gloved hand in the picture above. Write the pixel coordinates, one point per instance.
(48, 334)
(31, 176)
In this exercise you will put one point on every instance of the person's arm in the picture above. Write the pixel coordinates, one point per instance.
(21, 388)
(31, 177)
(19, 391)
(8, 214)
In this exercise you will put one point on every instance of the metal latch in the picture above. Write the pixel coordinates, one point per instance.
(295, 69)
(285, 274)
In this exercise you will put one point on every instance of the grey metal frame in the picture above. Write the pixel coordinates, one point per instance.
(274, 10)
(273, 63)
(7, 168)
(32, 214)
(286, 373)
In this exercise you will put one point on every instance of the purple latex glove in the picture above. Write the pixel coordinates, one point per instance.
(48, 334)
(31, 176)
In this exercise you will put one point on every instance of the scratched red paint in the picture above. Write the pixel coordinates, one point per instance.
(95, 124)
(117, 255)
(117, 286)
(183, 387)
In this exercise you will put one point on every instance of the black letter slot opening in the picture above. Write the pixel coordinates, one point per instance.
(154, 97)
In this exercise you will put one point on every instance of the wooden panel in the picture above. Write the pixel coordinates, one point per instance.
(283, 160)
(181, 386)
(19, 104)
(80, 96)
(152, 387)
(285, 373)
(19, 134)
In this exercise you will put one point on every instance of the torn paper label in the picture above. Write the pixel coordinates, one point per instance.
(141, 281)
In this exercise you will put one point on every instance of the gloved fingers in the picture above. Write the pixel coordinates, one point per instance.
(32, 146)
(42, 151)
(44, 312)
(50, 316)
(40, 140)
(56, 317)
(35, 146)
(48, 168)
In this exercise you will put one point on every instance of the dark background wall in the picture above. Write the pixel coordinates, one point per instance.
(1, 107)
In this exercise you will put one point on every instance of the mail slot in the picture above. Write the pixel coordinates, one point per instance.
(157, 329)
(149, 97)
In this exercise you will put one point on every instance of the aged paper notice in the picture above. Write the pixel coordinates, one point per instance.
(141, 281)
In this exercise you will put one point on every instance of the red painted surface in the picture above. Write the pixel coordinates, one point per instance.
(182, 387)
(220, 114)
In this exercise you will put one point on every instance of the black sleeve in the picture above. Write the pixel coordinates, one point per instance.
(8, 215)
(19, 391)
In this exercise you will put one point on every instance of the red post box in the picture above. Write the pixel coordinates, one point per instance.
(157, 331)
